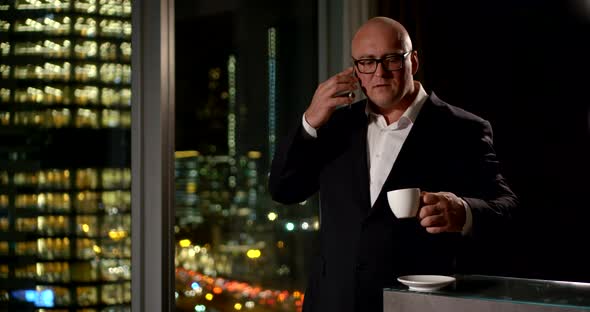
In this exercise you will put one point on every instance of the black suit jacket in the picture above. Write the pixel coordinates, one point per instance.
(364, 248)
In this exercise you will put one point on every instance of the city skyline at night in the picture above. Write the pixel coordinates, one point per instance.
(240, 89)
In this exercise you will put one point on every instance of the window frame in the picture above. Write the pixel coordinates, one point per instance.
(152, 156)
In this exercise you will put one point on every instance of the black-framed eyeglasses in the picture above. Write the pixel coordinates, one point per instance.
(390, 62)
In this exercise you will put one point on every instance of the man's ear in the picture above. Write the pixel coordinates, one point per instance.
(415, 62)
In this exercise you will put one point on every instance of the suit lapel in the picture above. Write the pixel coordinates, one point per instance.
(360, 170)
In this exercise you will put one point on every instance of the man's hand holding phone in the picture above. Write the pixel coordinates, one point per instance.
(329, 95)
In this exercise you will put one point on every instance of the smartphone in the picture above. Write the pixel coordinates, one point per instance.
(347, 93)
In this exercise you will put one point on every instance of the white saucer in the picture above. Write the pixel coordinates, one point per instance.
(426, 282)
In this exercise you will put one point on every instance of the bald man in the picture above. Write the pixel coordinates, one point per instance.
(398, 137)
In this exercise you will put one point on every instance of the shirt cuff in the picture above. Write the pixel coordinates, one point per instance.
(468, 218)
(309, 131)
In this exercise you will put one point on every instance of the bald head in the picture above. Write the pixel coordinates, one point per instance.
(384, 49)
(382, 27)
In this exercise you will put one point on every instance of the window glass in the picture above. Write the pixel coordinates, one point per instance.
(245, 73)
(65, 156)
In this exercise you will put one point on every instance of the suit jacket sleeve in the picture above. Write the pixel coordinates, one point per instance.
(492, 202)
(295, 168)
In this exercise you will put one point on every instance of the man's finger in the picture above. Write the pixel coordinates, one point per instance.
(340, 100)
(436, 229)
(433, 221)
(429, 210)
(430, 198)
(346, 72)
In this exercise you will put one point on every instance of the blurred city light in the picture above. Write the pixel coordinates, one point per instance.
(290, 226)
(272, 216)
(253, 253)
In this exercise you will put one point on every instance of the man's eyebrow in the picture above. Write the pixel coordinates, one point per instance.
(372, 56)
(366, 56)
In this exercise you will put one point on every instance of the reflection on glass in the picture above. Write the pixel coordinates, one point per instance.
(87, 249)
(3, 179)
(125, 51)
(53, 225)
(86, 118)
(85, 271)
(87, 295)
(25, 271)
(110, 97)
(115, 118)
(108, 51)
(46, 48)
(115, 73)
(115, 7)
(56, 5)
(115, 28)
(113, 269)
(47, 248)
(3, 224)
(111, 118)
(86, 95)
(85, 26)
(85, 49)
(26, 224)
(87, 226)
(53, 271)
(125, 96)
(116, 178)
(115, 226)
(85, 72)
(116, 293)
(3, 248)
(86, 178)
(46, 119)
(49, 71)
(65, 200)
(59, 26)
(4, 270)
(4, 46)
(116, 249)
(4, 26)
(87, 202)
(4, 71)
(44, 95)
(116, 201)
(4, 95)
(86, 6)
(50, 178)
(25, 201)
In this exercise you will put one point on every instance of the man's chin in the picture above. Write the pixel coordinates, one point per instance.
(382, 102)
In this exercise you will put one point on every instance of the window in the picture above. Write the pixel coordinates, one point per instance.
(65, 157)
(244, 74)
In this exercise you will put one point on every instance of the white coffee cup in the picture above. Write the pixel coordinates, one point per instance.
(404, 203)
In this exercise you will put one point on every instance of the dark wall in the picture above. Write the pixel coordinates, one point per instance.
(522, 65)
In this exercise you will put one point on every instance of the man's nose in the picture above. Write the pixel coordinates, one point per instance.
(380, 70)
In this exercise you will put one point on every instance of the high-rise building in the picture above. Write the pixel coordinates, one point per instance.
(65, 175)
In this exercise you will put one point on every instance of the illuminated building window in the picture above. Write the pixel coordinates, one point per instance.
(55, 78)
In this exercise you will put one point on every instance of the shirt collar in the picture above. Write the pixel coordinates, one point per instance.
(411, 113)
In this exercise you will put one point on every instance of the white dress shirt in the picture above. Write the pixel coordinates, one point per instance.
(384, 143)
